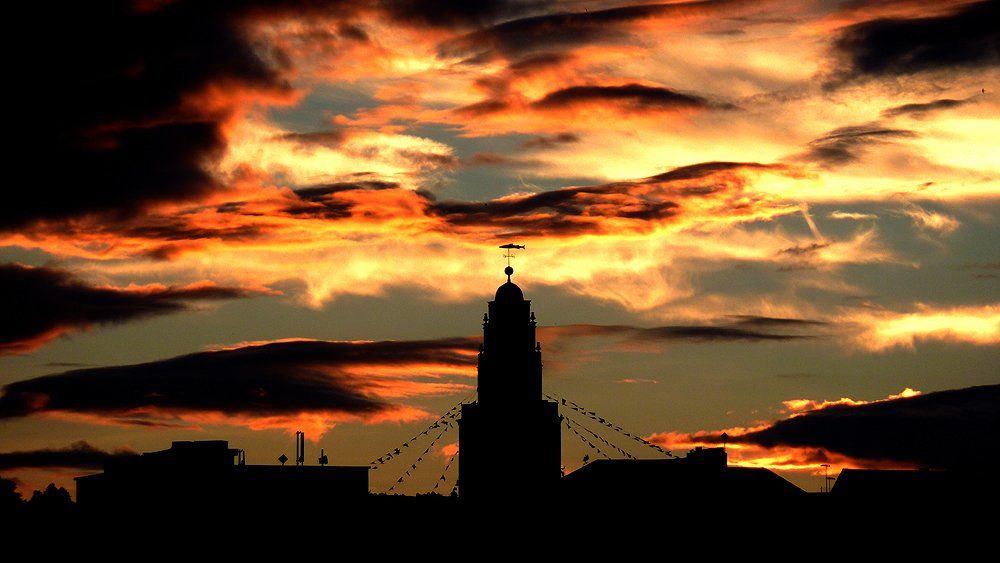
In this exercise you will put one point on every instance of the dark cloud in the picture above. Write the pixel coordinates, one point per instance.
(322, 202)
(196, 292)
(798, 267)
(768, 322)
(328, 210)
(968, 37)
(167, 236)
(172, 229)
(115, 104)
(498, 85)
(352, 32)
(805, 250)
(920, 109)
(324, 190)
(584, 209)
(636, 204)
(495, 159)
(560, 200)
(484, 107)
(445, 13)
(983, 271)
(78, 455)
(119, 172)
(431, 160)
(567, 29)
(258, 380)
(566, 211)
(330, 139)
(945, 429)
(39, 304)
(847, 144)
(745, 328)
(530, 65)
(130, 99)
(713, 333)
(550, 141)
(633, 97)
(705, 169)
(561, 212)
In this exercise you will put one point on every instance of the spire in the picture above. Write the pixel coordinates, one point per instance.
(509, 378)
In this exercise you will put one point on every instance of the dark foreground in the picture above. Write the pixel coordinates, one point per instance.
(381, 527)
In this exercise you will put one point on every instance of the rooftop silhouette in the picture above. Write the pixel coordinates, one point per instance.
(211, 476)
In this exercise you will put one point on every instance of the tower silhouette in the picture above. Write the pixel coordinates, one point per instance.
(509, 438)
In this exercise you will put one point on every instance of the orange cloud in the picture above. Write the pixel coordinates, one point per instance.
(356, 204)
(776, 458)
(906, 430)
(449, 450)
(885, 330)
(315, 424)
(630, 229)
(798, 406)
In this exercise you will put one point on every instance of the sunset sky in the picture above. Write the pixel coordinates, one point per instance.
(775, 219)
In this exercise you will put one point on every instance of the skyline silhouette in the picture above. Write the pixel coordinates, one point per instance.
(768, 227)
(510, 406)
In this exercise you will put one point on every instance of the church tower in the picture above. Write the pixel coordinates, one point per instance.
(509, 438)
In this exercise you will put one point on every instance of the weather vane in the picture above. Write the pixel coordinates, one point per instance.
(509, 247)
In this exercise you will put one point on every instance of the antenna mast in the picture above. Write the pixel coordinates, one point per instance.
(300, 448)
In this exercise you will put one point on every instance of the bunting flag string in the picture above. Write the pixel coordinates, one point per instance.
(599, 437)
(444, 419)
(444, 474)
(601, 420)
(586, 458)
(447, 426)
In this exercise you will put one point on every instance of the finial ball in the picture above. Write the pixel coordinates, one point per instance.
(508, 270)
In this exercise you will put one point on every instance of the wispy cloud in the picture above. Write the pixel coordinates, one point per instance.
(78, 455)
(291, 384)
(852, 216)
(885, 330)
(41, 304)
(931, 220)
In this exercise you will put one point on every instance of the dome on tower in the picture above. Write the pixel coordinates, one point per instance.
(509, 291)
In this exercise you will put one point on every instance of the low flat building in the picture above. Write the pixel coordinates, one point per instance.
(702, 474)
(206, 476)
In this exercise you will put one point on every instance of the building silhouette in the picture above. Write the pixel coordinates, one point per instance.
(701, 476)
(210, 476)
(509, 394)
(899, 485)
